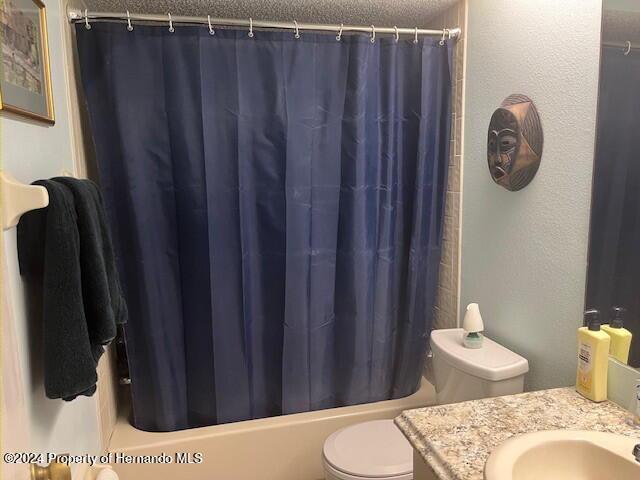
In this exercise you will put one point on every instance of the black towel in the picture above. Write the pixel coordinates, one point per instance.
(67, 248)
(103, 302)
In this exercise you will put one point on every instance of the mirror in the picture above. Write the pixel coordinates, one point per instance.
(613, 273)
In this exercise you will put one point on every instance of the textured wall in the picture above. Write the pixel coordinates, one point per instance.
(524, 253)
(403, 13)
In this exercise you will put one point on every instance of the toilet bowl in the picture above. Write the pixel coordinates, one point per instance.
(377, 450)
(368, 450)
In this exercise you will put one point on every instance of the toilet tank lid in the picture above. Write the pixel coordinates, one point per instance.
(370, 450)
(491, 362)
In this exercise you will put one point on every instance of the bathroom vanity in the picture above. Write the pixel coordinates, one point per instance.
(453, 442)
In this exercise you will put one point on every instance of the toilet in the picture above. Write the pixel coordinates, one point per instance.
(377, 450)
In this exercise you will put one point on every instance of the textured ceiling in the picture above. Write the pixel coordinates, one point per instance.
(403, 13)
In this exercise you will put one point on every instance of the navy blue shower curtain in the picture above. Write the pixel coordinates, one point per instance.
(277, 207)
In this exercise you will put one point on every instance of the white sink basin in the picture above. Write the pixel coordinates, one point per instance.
(564, 455)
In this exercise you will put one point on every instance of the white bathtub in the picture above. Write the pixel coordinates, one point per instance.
(288, 447)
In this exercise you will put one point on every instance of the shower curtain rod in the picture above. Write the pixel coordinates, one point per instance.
(76, 15)
(626, 46)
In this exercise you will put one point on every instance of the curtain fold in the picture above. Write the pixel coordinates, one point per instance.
(277, 208)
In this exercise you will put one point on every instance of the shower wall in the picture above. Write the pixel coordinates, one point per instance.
(447, 301)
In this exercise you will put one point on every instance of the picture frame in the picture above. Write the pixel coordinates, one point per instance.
(25, 73)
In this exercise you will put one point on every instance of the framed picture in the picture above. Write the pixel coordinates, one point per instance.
(25, 77)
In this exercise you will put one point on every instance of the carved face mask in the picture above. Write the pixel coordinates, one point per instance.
(514, 146)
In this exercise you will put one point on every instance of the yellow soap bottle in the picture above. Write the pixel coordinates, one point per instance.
(620, 336)
(593, 353)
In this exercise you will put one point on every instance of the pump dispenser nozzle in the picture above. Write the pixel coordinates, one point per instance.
(592, 319)
(618, 317)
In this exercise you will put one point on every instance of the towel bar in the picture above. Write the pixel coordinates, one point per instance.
(19, 198)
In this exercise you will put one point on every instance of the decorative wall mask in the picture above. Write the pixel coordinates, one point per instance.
(514, 147)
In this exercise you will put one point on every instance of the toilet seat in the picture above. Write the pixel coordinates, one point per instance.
(345, 476)
(369, 450)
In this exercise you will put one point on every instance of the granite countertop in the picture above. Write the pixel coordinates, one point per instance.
(456, 439)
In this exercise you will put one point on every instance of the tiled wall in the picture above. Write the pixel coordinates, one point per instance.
(446, 311)
(107, 396)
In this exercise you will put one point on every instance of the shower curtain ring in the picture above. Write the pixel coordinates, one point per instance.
(86, 20)
(373, 34)
(628, 49)
(171, 29)
(444, 34)
(415, 36)
(250, 34)
(297, 35)
(129, 26)
(397, 34)
(211, 31)
(339, 36)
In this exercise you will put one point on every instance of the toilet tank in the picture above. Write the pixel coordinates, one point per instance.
(467, 374)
